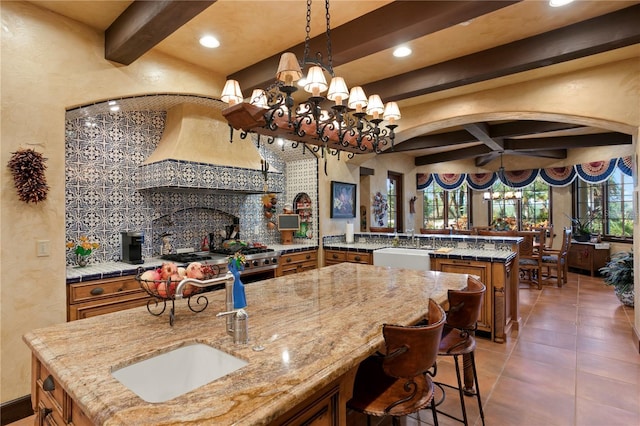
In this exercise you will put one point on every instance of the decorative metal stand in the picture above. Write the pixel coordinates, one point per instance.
(196, 301)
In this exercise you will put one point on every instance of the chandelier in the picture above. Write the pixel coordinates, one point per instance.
(506, 195)
(354, 127)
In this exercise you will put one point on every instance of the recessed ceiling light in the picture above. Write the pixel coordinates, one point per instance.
(115, 108)
(209, 41)
(112, 102)
(558, 3)
(401, 52)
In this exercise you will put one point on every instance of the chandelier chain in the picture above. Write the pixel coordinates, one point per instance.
(307, 38)
(329, 55)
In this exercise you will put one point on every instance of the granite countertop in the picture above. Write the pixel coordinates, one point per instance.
(342, 306)
(485, 255)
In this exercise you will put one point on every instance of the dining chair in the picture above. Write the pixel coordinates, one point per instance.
(557, 260)
(530, 258)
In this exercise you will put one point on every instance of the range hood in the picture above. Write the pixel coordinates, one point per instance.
(195, 153)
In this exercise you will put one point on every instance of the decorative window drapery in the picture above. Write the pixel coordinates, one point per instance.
(592, 172)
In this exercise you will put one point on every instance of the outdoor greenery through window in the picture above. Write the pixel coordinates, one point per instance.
(444, 209)
(530, 209)
(391, 200)
(605, 208)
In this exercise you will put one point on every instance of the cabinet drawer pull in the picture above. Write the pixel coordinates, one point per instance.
(45, 412)
(97, 291)
(308, 256)
(462, 262)
(48, 384)
(335, 256)
(357, 258)
(288, 259)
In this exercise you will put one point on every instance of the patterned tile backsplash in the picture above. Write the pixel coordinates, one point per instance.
(107, 191)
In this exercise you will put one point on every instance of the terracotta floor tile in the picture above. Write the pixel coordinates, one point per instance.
(551, 324)
(549, 337)
(592, 413)
(565, 358)
(536, 374)
(610, 368)
(622, 351)
(620, 333)
(614, 393)
(514, 402)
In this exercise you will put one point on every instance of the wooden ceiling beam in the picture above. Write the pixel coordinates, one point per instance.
(568, 142)
(542, 153)
(395, 23)
(457, 154)
(146, 23)
(590, 37)
(528, 127)
(434, 141)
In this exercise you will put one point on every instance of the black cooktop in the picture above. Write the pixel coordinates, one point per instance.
(185, 257)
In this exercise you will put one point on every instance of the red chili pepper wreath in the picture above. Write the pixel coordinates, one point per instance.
(27, 167)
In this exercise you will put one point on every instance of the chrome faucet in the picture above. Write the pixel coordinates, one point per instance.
(239, 325)
(228, 288)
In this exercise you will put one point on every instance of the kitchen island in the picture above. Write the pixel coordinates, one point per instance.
(315, 328)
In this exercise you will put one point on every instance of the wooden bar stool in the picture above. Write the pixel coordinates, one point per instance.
(458, 339)
(395, 383)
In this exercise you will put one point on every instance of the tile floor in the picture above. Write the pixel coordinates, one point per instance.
(573, 363)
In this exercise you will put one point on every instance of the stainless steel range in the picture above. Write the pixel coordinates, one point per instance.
(260, 263)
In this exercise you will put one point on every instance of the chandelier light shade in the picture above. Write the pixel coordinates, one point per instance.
(289, 70)
(375, 106)
(231, 93)
(357, 99)
(391, 112)
(338, 91)
(315, 81)
(259, 98)
(355, 127)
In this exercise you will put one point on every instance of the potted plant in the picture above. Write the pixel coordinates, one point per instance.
(618, 272)
(581, 229)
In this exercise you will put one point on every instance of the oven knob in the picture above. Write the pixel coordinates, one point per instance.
(274, 260)
(266, 261)
(246, 264)
(255, 263)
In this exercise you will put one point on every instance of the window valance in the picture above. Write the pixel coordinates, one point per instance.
(592, 172)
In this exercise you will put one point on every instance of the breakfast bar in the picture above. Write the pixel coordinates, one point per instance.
(308, 332)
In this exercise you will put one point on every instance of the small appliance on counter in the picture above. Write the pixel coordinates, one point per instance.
(132, 247)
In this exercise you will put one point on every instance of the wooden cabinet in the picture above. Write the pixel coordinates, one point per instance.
(292, 263)
(51, 404)
(331, 257)
(499, 312)
(587, 257)
(91, 298)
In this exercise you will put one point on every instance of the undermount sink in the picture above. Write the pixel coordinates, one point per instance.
(407, 258)
(174, 373)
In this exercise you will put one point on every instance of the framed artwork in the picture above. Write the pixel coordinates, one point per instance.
(343, 200)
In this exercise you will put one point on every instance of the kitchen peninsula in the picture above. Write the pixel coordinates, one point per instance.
(315, 328)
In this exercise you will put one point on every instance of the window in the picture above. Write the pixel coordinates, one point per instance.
(606, 208)
(443, 209)
(520, 209)
(394, 199)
